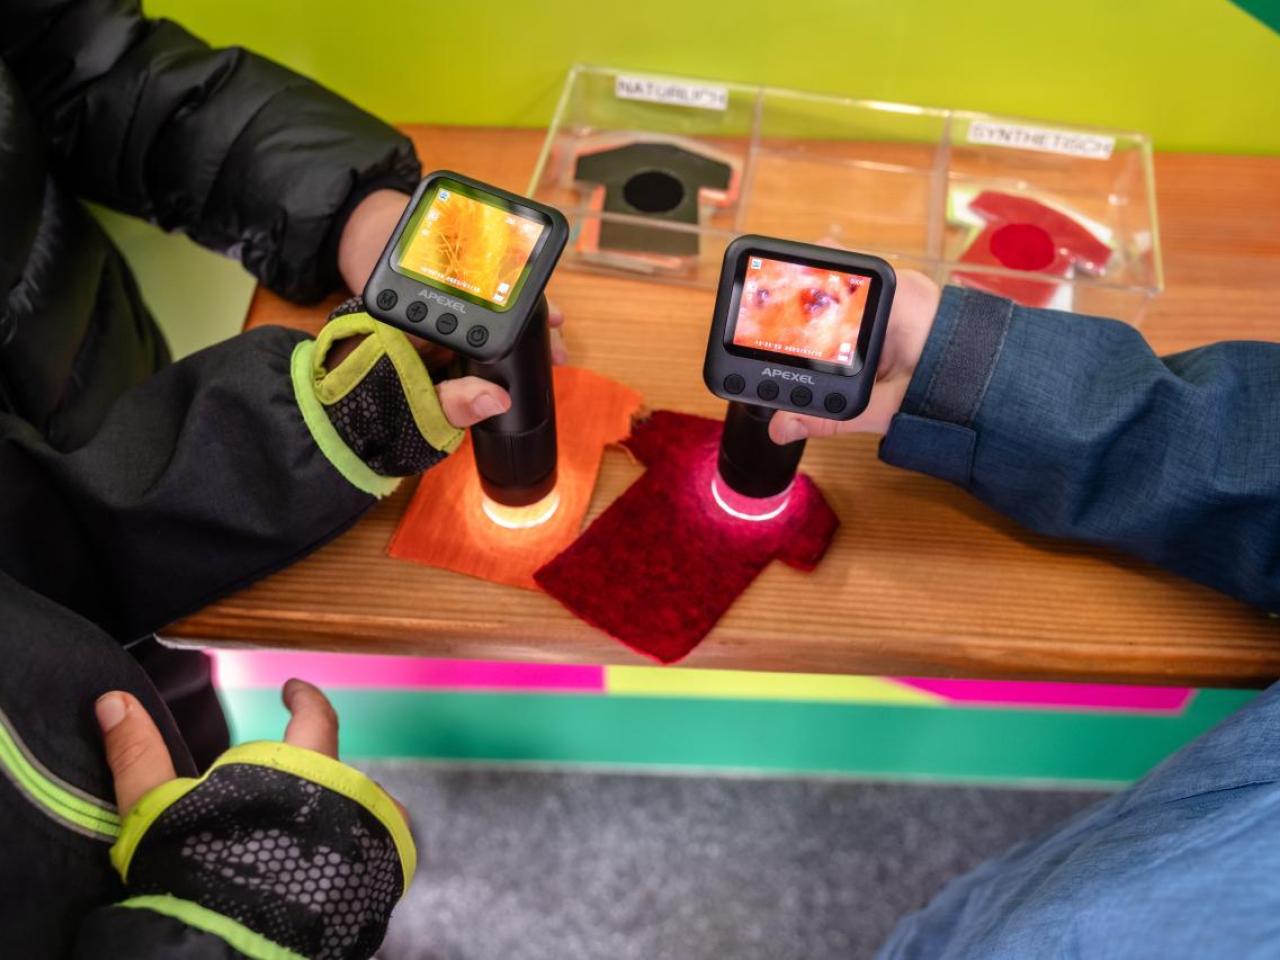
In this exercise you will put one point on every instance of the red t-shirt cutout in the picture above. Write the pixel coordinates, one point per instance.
(1024, 234)
(664, 562)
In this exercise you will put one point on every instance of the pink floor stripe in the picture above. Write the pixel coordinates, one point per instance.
(241, 669)
(1088, 696)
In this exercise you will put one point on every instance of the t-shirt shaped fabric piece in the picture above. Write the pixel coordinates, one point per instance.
(446, 526)
(657, 181)
(665, 561)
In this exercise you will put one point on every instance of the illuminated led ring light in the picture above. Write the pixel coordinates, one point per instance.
(771, 506)
(522, 518)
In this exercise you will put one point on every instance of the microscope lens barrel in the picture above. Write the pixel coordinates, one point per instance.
(750, 463)
(516, 451)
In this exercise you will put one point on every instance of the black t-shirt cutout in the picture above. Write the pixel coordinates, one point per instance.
(660, 181)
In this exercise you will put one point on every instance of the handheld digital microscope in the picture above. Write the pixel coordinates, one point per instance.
(796, 327)
(465, 269)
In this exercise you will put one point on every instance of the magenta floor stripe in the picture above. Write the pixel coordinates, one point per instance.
(1020, 693)
(244, 669)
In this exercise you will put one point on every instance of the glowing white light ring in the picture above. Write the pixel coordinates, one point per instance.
(752, 517)
(498, 513)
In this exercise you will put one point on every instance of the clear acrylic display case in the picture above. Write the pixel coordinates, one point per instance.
(1049, 214)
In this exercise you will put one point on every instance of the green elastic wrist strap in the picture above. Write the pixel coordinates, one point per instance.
(332, 385)
(326, 436)
(300, 762)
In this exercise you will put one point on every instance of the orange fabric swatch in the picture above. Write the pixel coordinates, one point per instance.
(445, 526)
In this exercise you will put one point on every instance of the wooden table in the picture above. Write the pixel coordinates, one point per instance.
(921, 580)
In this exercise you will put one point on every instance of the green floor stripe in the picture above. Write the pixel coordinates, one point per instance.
(885, 741)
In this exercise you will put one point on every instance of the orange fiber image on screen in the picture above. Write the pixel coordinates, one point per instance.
(801, 311)
(471, 246)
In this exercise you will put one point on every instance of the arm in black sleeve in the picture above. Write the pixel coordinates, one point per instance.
(276, 851)
(245, 156)
(212, 473)
(1072, 426)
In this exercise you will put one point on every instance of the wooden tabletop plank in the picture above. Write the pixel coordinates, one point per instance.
(921, 580)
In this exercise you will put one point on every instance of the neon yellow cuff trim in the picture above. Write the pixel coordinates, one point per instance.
(144, 813)
(326, 436)
(299, 762)
(237, 935)
(333, 385)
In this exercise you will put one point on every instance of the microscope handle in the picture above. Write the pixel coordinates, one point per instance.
(750, 463)
(516, 451)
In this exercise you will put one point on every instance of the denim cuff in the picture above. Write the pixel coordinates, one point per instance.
(934, 432)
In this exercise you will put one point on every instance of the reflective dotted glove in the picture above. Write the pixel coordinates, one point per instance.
(375, 415)
(278, 851)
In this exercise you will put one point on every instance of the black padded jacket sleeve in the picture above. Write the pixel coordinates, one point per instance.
(245, 156)
(143, 935)
(275, 851)
(203, 478)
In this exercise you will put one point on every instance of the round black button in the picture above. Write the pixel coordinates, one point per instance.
(387, 299)
(446, 323)
(767, 390)
(801, 396)
(835, 402)
(734, 383)
(416, 312)
(478, 335)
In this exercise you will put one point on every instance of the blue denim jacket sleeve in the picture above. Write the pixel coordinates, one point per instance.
(1072, 426)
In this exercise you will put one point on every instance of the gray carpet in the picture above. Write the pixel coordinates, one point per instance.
(577, 866)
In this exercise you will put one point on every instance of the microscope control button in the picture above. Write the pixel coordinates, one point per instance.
(835, 402)
(801, 396)
(734, 383)
(416, 312)
(446, 323)
(767, 390)
(477, 336)
(387, 299)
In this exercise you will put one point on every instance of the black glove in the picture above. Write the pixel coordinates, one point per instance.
(381, 408)
(276, 846)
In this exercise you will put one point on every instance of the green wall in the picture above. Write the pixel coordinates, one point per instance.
(1196, 74)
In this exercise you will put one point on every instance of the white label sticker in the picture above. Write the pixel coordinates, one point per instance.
(671, 92)
(1095, 146)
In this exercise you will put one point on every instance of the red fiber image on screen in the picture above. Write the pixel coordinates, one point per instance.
(801, 311)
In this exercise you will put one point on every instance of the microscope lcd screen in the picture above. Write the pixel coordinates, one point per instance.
(800, 311)
(466, 241)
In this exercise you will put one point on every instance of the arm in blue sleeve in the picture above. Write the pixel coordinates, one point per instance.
(1072, 426)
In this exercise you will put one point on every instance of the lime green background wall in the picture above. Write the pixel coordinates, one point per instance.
(1196, 74)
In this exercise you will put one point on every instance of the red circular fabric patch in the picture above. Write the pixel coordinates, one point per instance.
(1023, 246)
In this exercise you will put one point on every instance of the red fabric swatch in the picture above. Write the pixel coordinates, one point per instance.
(665, 561)
(1023, 234)
(445, 525)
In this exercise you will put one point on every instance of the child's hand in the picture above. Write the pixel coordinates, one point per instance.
(914, 307)
(279, 838)
(366, 233)
(140, 761)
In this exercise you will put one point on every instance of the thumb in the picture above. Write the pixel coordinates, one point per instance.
(468, 400)
(136, 752)
(313, 723)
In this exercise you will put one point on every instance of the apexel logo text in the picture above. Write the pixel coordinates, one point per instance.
(786, 375)
(444, 301)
